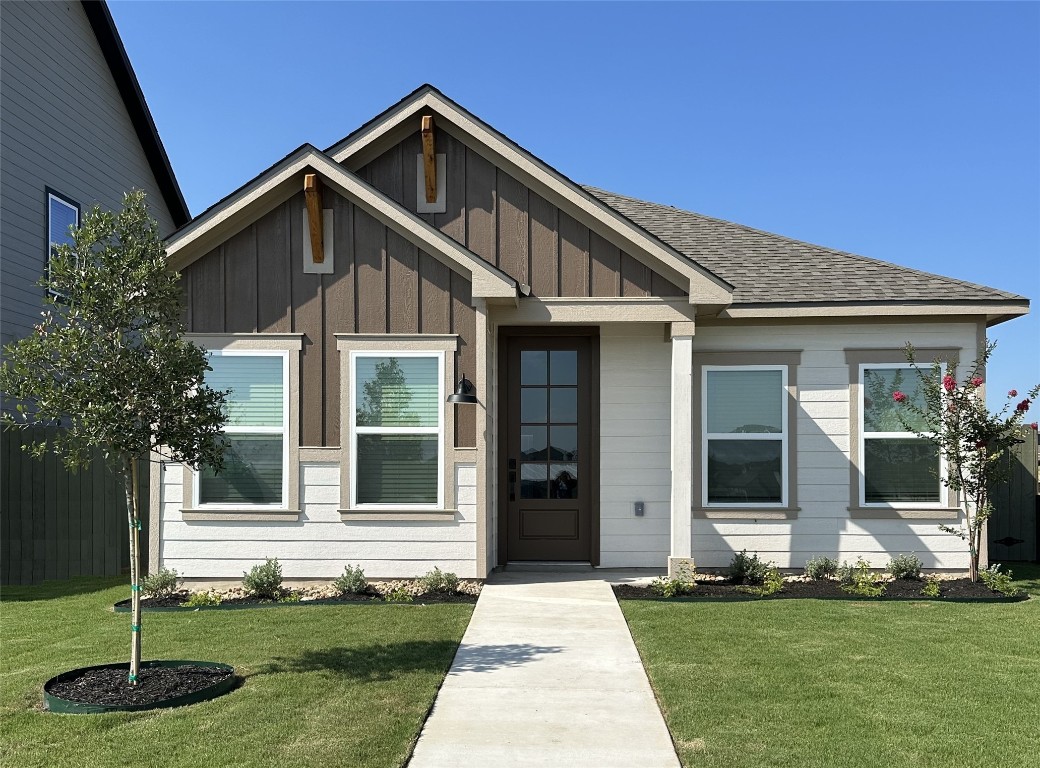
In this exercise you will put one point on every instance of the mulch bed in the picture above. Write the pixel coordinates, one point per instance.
(109, 687)
(248, 602)
(899, 589)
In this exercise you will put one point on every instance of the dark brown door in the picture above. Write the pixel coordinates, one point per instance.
(549, 435)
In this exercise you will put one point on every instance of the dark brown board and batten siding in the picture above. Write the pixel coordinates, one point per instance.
(254, 282)
(513, 227)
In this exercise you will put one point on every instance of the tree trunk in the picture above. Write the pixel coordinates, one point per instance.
(130, 485)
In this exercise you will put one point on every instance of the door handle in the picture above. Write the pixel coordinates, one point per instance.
(512, 479)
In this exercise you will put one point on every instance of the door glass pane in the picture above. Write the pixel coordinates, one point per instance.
(533, 366)
(533, 481)
(563, 367)
(745, 401)
(563, 404)
(252, 472)
(397, 391)
(255, 382)
(880, 412)
(397, 469)
(745, 471)
(901, 469)
(533, 404)
(563, 481)
(532, 442)
(563, 443)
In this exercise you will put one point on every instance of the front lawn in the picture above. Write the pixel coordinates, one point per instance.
(336, 685)
(833, 683)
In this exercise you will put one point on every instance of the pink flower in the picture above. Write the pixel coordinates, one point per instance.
(949, 383)
(1013, 393)
(899, 397)
(1033, 425)
(1023, 406)
(977, 381)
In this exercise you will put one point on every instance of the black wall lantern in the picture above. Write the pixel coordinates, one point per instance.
(464, 392)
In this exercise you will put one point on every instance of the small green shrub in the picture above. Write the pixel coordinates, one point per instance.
(352, 582)
(672, 587)
(200, 599)
(398, 595)
(772, 583)
(861, 580)
(264, 581)
(905, 567)
(744, 569)
(817, 568)
(445, 583)
(845, 573)
(999, 581)
(290, 596)
(160, 584)
(931, 587)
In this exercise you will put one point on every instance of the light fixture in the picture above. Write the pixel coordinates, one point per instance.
(464, 392)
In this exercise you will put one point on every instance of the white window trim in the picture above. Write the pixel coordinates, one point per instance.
(861, 414)
(770, 436)
(283, 430)
(355, 430)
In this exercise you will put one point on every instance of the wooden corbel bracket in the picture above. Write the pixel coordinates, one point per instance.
(312, 194)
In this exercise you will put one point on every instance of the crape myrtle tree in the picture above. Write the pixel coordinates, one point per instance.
(108, 363)
(971, 441)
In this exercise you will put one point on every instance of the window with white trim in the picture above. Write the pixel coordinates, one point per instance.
(397, 429)
(897, 466)
(255, 470)
(744, 432)
(62, 216)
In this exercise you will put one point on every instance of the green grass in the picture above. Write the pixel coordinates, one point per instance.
(846, 684)
(325, 686)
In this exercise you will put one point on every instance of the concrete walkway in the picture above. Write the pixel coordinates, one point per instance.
(547, 675)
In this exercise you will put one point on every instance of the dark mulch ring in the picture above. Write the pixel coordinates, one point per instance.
(109, 687)
(371, 596)
(898, 589)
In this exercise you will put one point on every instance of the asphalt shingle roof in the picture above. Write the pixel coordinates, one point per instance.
(765, 268)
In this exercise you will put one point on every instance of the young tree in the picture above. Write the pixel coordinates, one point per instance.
(971, 441)
(108, 363)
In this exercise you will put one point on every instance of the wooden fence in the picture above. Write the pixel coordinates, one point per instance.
(54, 523)
(1013, 526)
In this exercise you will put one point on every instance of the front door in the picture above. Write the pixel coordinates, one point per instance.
(550, 431)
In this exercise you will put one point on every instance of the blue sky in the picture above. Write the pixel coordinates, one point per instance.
(908, 132)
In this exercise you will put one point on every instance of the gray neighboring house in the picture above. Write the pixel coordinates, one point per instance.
(75, 132)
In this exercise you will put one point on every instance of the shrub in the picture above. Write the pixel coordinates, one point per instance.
(264, 581)
(748, 570)
(905, 567)
(672, 587)
(160, 584)
(861, 580)
(200, 599)
(999, 581)
(817, 568)
(398, 595)
(445, 583)
(290, 597)
(931, 587)
(772, 583)
(352, 582)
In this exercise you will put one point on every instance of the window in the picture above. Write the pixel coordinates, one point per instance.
(255, 463)
(745, 434)
(397, 429)
(897, 466)
(62, 213)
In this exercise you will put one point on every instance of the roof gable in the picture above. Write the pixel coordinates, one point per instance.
(387, 129)
(285, 178)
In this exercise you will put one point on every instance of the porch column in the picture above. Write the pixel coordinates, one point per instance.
(682, 447)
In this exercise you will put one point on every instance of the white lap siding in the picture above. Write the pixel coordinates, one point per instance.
(635, 382)
(823, 525)
(319, 544)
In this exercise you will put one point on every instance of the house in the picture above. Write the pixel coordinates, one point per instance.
(650, 384)
(76, 132)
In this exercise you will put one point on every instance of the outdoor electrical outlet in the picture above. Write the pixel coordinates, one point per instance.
(639, 508)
